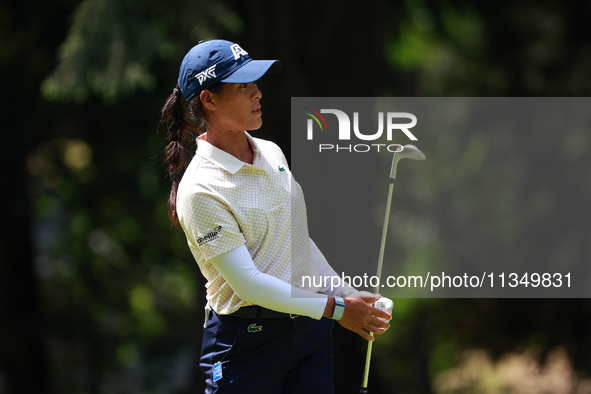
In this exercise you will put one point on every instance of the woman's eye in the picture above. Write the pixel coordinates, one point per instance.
(242, 85)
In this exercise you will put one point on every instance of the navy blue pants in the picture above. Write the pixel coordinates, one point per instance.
(275, 356)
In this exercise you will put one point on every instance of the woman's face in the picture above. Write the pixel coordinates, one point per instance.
(236, 108)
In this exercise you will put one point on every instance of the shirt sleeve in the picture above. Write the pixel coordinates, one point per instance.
(252, 285)
(209, 224)
(343, 289)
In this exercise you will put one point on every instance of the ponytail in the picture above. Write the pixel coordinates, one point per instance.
(182, 118)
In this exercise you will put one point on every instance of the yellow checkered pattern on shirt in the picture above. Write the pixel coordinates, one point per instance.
(223, 203)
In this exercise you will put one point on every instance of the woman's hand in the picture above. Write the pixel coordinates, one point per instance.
(359, 316)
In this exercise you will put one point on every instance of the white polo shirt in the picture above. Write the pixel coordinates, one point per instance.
(223, 203)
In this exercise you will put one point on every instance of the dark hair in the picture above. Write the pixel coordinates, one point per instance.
(182, 119)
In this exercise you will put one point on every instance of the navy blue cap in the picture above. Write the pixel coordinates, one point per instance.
(220, 61)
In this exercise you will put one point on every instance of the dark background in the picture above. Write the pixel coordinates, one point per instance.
(98, 294)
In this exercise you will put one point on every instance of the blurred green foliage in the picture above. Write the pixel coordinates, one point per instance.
(112, 44)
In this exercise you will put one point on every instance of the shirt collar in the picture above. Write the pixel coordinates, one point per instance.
(224, 159)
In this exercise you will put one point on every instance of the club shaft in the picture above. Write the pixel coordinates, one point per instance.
(379, 276)
(384, 233)
(366, 370)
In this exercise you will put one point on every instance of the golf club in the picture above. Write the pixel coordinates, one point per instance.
(405, 152)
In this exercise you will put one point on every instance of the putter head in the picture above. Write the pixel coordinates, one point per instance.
(408, 152)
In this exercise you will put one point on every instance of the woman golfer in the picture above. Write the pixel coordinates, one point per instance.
(245, 222)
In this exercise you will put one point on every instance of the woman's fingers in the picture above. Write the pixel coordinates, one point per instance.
(375, 311)
(362, 318)
(365, 335)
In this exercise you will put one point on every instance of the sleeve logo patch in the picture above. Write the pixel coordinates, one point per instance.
(210, 236)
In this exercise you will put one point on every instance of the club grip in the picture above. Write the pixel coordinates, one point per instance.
(385, 304)
(363, 390)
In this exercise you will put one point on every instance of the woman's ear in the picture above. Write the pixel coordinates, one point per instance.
(206, 98)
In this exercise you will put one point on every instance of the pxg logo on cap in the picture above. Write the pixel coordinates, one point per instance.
(215, 61)
(204, 75)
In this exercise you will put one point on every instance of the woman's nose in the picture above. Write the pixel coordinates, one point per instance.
(257, 92)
